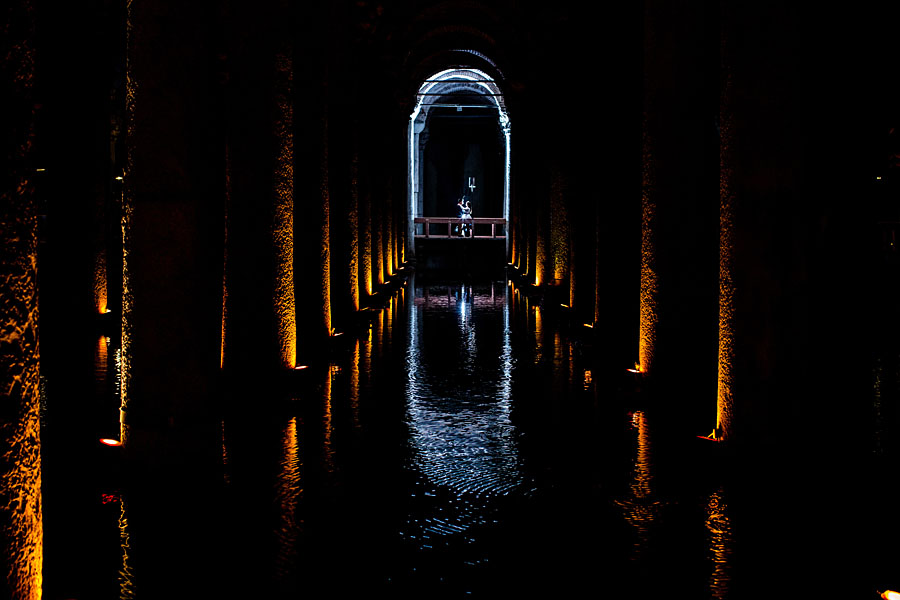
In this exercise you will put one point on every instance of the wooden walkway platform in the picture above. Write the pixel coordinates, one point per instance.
(444, 227)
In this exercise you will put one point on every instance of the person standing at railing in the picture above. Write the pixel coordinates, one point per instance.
(465, 210)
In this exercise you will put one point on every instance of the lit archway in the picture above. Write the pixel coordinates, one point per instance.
(460, 89)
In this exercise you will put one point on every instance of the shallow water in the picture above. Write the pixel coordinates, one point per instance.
(463, 447)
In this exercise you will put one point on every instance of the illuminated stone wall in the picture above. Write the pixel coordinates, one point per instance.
(20, 468)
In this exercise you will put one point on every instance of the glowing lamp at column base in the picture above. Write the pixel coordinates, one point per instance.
(890, 595)
(110, 442)
(301, 367)
(716, 436)
(636, 369)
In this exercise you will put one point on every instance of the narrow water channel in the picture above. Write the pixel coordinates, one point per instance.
(462, 447)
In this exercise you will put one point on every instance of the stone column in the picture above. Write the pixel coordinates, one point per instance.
(173, 232)
(312, 234)
(558, 259)
(20, 469)
(679, 197)
(260, 327)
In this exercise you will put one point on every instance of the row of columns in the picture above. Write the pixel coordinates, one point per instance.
(724, 248)
(251, 233)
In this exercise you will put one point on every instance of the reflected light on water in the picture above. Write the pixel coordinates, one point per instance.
(640, 509)
(463, 437)
(127, 590)
(288, 491)
(327, 425)
(720, 545)
(226, 477)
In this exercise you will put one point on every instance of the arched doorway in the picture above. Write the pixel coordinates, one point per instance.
(459, 147)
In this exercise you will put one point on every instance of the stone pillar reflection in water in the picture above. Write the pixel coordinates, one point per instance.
(288, 488)
(718, 525)
(20, 468)
(127, 585)
(640, 508)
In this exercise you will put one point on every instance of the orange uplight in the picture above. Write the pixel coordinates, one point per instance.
(564, 305)
(589, 325)
(110, 442)
(301, 367)
(636, 369)
(890, 595)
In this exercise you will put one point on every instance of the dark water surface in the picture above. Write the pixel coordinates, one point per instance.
(465, 447)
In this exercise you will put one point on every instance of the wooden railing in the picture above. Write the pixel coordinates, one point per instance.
(451, 221)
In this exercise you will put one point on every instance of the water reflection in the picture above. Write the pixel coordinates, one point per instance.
(327, 424)
(288, 489)
(458, 405)
(640, 509)
(465, 443)
(720, 544)
(127, 589)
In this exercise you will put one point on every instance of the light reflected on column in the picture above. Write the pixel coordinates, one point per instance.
(100, 282)
(283, 226)
(119, 392)
(649, 284)
(288, 490)
(354, 383)
(727, 287)
(720, 545)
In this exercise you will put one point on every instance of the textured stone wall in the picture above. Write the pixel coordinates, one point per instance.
(20, 467)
